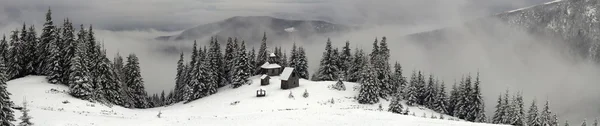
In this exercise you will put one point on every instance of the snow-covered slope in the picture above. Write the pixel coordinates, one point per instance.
(47, 108)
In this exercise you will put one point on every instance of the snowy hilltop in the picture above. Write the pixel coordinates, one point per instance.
(50, 104)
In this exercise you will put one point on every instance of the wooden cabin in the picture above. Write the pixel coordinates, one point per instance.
(289, 78)
(270, 69)
(264, 80)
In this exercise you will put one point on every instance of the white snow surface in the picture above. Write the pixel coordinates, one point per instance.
(47, 108)
(285, 75)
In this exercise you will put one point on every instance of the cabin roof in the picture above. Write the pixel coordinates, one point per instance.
(267, 65)
(264, 76)
(285, 75)
(272, 55)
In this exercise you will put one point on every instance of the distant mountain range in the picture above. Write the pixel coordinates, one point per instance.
(251, 29)
(574, 21)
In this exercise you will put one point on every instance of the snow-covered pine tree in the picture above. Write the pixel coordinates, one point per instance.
(595, 122)
(305, 94)
(518, 116)
(335, 61)
(47, 37)
(533, 119)
(54, 68)
(398, 80)
(79, 83)
(411, 91)
(68, 49)
(262, 55)
(162, 98)
(327, 68)
(109, 81)
(396, 105)
(465, 100)
(508, 109)
(421, 88)
(252, 61)
(134, 82)
(477, 105)
(430, 95)
(442, 100)
(229, 59)
(15, 55)
(25, 118)
(302, 64)
(546, 115)
(358, 61)
(284, 60)
(339, 85)
(374, 52)
(215, 66)
(4, 49)
(584, 123)
(453, 100)
(294, 57)
(383, 69)
(369, 91)
(499, 113)
(566, 123)
(187, 92)
(6, 113)
(31, 41)
(192, 71)
(180, 79)
(346, 59)
(278, 56)
(241, 70)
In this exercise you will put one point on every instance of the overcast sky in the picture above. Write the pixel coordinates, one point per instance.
(128, 26)
(180, 14)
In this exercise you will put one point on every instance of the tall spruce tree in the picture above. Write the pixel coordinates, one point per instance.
(180, 79)
(43, 48)
(327, 68)
(68, 49)
(411, 94)
(453, 100)
(533, 118)
(499, 113)
(215, 64)
(477, 105)
(15, 55)
(4, 49)
(79, 80)
(546, 115)
(382, 66)
(358, 61)
(31, 41)
(109, 81)
(241, 70)
(369, 91)
(430, 95)
(262, 55)
(6, 113)
(518, 116)
(398, 80)
(302, 64)
(229, 59)
(54, 68)
(442, 100)
(346, 60)
(134, 82)
(252, 61)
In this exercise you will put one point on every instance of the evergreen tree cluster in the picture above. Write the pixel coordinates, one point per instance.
(76, 60)
(511, 111)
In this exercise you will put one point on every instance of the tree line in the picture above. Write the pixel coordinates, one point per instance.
(209, 69)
